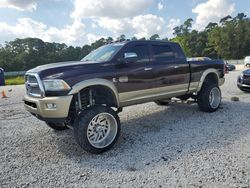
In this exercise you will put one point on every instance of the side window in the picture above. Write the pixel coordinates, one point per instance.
(179, 54)
(163, 53)
(141, 51)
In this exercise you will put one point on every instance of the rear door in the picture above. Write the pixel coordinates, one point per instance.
(171, 68)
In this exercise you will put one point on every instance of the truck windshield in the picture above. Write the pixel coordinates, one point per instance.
(104, 53)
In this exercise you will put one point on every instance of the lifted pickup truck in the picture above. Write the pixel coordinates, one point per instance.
(87, 95)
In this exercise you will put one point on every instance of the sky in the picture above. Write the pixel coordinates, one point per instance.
(79, 22)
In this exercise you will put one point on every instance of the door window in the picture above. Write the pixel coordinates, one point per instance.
(141, 51)
(163, 53)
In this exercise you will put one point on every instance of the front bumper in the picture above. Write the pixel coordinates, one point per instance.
(243, 85)
(39, 108)
(243, 82)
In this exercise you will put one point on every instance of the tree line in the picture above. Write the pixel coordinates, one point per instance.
(228, 39)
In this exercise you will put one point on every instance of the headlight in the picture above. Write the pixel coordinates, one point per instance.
(55, 85)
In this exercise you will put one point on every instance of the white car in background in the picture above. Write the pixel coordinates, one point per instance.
(247, 61)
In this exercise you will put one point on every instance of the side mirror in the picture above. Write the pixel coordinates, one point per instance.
(128, 57)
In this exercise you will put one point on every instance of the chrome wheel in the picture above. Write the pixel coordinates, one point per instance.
(102, 130)
(214, 97)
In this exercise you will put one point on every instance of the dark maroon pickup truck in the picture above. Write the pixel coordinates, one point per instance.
(87, 95)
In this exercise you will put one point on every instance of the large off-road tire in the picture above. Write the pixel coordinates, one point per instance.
(97, 129)
(57, 126)
(209, 97)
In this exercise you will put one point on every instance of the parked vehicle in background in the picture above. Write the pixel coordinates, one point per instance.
(87, 95)
(230, 67)
(243, 81)
(2, 79)
(247, 61)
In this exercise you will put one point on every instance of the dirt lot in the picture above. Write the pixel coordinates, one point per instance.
(174, 146)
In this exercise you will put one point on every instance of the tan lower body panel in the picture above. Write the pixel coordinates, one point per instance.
(193, 87)
(147, 95)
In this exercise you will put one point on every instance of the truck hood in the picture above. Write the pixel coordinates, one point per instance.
(71, 72)
(58, 65)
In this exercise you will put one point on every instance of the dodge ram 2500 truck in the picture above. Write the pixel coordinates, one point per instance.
(87, 95)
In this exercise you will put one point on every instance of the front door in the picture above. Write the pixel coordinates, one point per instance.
(136, 77)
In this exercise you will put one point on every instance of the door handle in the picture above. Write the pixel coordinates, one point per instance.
(148, 69)
(176, 67)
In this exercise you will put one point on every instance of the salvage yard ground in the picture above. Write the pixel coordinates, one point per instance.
(168, 146)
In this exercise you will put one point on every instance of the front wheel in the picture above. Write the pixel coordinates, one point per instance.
(209, 98)
(97, 129)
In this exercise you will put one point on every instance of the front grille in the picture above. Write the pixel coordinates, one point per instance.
(32, 86)
(246, 76)
(246, 81)
(33, 105)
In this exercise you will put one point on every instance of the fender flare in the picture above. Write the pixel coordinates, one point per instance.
(96, 82)
(204, 75)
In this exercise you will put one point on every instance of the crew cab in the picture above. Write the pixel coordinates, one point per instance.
(87, 95)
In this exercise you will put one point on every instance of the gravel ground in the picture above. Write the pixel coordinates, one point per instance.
(174, 146)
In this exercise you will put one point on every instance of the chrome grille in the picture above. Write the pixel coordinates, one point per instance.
(247, 76)
(33, 88)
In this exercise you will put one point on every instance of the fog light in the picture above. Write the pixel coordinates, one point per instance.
(51, 106)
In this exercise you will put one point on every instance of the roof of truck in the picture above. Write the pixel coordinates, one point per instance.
(143, 41)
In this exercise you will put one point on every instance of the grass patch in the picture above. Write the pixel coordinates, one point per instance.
(17, 80)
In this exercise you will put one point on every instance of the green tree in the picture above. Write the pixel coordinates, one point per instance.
(154, 37)
(183, 36)
(121, 38)
(134, 38)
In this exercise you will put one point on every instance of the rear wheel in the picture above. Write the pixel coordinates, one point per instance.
(209, 98)
(57, 126)
(97, 129)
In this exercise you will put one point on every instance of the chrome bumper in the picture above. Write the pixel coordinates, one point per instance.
(242, 85)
